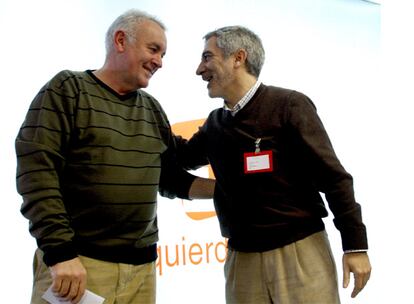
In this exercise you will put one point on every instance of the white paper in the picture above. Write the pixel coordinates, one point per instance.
(260, 162)
(88, 298)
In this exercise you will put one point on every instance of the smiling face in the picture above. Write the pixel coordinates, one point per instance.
(142, 55)
(147, 52)
(216, 70)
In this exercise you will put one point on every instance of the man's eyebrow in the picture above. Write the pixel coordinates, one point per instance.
(206, 53)
(157, 46)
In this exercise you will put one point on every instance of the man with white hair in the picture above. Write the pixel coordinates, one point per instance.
(92, 154)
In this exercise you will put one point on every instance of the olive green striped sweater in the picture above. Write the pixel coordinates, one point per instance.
(89, 168)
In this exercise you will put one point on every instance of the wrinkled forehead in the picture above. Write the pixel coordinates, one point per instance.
(150, 32)
(210, 46)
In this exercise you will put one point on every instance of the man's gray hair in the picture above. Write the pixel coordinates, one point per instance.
(232, 38)
(128, 22)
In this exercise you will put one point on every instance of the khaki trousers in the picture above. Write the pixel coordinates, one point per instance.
(303, 272)
(118, 283)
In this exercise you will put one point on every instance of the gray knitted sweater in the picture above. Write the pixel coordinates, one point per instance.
(89, 168)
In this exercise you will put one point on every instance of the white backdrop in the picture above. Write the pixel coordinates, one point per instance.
(354, 66)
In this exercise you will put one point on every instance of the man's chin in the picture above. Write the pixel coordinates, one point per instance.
(143, 84)
(211, 93)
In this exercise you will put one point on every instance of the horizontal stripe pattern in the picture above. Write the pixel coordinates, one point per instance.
(89, 159)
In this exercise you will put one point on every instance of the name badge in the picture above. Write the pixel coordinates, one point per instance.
(256, 162)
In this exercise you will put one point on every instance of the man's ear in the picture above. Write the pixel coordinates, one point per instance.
(240, 57)
(120, 40)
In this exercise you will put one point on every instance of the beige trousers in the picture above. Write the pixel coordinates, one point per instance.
(118, 283)
(303, 272)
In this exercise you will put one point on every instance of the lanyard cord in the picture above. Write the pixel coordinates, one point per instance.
(256, 140)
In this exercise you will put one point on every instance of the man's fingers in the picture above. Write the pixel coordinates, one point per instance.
(74, 295)
(357, 263)
(56, 284)
(346, 276)
(69, 280)
(358, 286)
(61, 287)
(360, 281)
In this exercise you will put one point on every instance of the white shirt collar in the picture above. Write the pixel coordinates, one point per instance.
(244, 100)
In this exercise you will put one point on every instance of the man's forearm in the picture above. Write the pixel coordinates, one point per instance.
(202, 188)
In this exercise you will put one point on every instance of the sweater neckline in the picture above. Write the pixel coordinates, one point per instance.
(108, 88)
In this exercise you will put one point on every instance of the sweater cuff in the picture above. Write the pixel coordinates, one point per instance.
(59, 254)
(187, 180)
(354, 239)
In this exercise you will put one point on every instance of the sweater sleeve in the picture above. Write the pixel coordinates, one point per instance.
(329, 175)
(191, 154)
(174, 180)
(40, 149)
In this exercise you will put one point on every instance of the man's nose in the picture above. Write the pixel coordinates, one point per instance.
(200, 69)
(158, 61)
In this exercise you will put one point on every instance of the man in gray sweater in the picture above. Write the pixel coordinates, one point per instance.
(92, 154)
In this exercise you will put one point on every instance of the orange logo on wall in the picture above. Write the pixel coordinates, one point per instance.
(195, 210)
